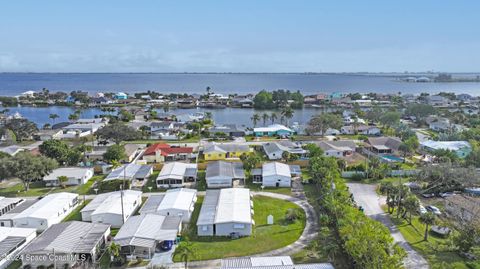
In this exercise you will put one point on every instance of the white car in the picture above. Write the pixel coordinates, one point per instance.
(422, 209)
(434, 210)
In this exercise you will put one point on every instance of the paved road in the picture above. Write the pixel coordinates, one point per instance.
(366, 196)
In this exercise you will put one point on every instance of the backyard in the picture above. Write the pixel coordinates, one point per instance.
(264, 238)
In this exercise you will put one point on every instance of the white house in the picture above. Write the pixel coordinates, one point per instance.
(360, 129)
(107, 207)
(141, 234)
(276, 174)
(270, 262)
(12, 241)
(339, 148)
(80, 129)
(51, 209)
(136, 173)
(67, 243)
(176, 202)
(221, 174)
(225, 212)
(75, 176)
(10, 207)
(176, 174)
(275, 150)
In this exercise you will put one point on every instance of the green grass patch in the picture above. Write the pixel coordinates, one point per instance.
(76, 214)
(151, 182)
(201, 182)
(264, 238)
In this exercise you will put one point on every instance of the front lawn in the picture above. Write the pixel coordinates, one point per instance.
(264, 238)
(76, 214)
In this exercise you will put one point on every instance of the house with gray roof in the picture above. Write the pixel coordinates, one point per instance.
(339, 148)
(67, 243)
(275, 150)
(10, 207)
(75, 176)
(12, 241)
(141, 234)
(136, 173)
(273, 262)
(228, 129)
(222, 174)
(384, 144)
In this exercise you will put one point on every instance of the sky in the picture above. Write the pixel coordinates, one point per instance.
(239, 36)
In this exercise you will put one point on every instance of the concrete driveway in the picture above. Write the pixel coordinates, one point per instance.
(366, 196)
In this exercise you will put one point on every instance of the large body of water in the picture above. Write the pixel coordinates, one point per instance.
(12, 84)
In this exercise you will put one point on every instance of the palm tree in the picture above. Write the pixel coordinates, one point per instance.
(427, 219)
(273, 117)
(411, 205)
(114, 250)
(287, 112)
(255, 118)
(265, 118)
(53, 117)
(208, 115)
(73, 117)
(166, 107)
(186, 251)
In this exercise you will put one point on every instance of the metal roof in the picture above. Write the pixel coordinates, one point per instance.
(5, 202)
(275, 262)
(209, 208)
(176, 170)
(151, 205)
(275, 168)
(68, 237)
(48, 206)
(129, 172)
(226, 205)
(11, 238)
(225, 169)
(110, 202)
(70, 172)
(224, 148)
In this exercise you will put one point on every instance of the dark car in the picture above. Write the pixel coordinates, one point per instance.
(166, 245)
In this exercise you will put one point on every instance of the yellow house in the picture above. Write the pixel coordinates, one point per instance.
(215, 152)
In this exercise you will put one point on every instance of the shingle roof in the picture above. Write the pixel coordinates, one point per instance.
(224, 148)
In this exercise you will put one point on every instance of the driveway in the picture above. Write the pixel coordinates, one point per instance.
(366, 196)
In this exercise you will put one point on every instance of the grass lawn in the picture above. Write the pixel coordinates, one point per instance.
(264, 238)
(436, 250)
(201, 182)
(76, 214)
(258, 188)
(151, 183)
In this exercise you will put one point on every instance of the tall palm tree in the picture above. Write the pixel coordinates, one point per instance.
(287, 112)
(166, 107)
(255, 118)
(427, 219)
(53, 117)
(273, 117)
(208, 115)
(265, 118)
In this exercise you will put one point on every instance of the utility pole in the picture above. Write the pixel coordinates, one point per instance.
(121, 201)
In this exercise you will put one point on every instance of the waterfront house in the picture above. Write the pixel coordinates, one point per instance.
(462, 207)
(107, 207)
(273, 130)
(12, 241)
(226, 212)
(161, 152)
(121, 96)
(437, 100)
(176, 174)
(230, 130)
(141, 235)
(178, 202)
(222, 174)
(221, 151)
(49, 210)
(75, 176)
(66, 244)
(275, 150)
(461, 148)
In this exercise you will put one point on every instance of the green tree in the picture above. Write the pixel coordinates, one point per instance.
(411, 205)
(118, 132)
(115, 152)
(419, 111)
(73, 117)
(186, 251)
(53, 117)
(125, 115)
(428, 219)
(62, 152)
(22, 128)
(265, 118)
(250, 161)
(321, 123)
(29, 168)
(263, 100)
(467, 236)
(255, 118)
(390, 119)
(287, 113)
(273, 117)
(62, 180)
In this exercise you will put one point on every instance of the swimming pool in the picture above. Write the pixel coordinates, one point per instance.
(392, 158)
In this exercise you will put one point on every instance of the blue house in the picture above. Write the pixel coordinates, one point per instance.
(273, 130)
(121, 96)
(70, 99)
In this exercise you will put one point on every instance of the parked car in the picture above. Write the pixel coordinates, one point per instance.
(428, 195)
(166, 245)
(422, 210)
(446, 194)
(434, 210)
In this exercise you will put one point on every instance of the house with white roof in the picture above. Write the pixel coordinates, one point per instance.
(360, 129)
(273, 130)
(141, 234)
(75, 176)
(49, 210)
(175, 202)
(226, 212)
(222, 174)
(12, 241)
(275, 150)
(80, 129)
(176, 174)
(273, 174)
(271, 262)
(67, 243)
(461, 148)
(339, 148)
(136, 173)
(10, 207)
(107, 207)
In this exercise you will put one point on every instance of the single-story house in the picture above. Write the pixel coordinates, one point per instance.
(47, 134)
(273, 130)
(67, 242)
(10, 207)
(272, 262)
(273, 174)
(136, 173)
(275, 150)
(49, 210)
(121, 96)
(222, 151)
(465, 208)
(141, 234)
(107, 207)
(221, 174)
(176, 202)
(7, 204)
(11, 150)
(360, 129)
(12, 241)
(339, 148)
(226, 212)
(131, 151)
(161, 152)
(75, 176)
(384, 144)
(230, 130)
(176, 174)
(461, 148)
(80, 129)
